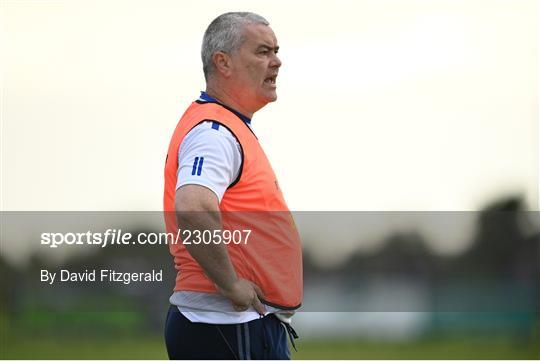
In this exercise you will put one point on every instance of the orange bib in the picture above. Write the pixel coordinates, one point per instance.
(271, 256)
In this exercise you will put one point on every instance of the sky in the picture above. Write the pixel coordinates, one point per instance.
(384, 105)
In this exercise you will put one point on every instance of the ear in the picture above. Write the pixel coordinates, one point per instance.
(222, 63)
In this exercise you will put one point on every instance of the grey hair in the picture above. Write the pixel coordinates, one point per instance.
(226, 33)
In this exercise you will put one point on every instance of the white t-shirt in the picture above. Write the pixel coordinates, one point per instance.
(211, 156)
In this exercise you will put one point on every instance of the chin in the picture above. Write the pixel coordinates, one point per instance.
(271, 98)
(266, 97)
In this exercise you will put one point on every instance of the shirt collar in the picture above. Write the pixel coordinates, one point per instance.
(208, 99)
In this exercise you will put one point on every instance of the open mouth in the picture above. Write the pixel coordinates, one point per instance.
(270, 80)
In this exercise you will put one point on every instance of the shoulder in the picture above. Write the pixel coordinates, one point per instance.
(211, 129)
(211, 137)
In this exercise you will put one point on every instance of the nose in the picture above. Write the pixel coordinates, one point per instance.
(276, 62)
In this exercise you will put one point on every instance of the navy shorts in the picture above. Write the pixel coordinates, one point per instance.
(264, 338)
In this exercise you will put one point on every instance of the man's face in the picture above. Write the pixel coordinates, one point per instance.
(255, 67)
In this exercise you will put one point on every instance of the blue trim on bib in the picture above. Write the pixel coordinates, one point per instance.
(208, 99)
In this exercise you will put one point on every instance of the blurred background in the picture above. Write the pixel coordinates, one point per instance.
(423, 115)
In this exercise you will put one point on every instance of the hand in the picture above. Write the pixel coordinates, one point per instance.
(244, 294)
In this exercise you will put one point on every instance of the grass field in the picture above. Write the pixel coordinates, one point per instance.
(153, 348)
(84, 339)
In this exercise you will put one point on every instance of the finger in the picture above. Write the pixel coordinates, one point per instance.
(258, 306)
(258, 291)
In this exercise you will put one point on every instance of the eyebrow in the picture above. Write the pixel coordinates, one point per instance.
(276, 48)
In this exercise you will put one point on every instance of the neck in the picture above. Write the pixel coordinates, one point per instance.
(225, 97)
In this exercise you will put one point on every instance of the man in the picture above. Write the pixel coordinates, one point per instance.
(232, 300)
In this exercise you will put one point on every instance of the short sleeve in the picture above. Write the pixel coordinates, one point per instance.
(209, 156)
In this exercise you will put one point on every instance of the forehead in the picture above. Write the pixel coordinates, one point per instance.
(259, 34)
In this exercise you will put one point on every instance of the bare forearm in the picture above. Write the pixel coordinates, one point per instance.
(213, 258)
(197, 208)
